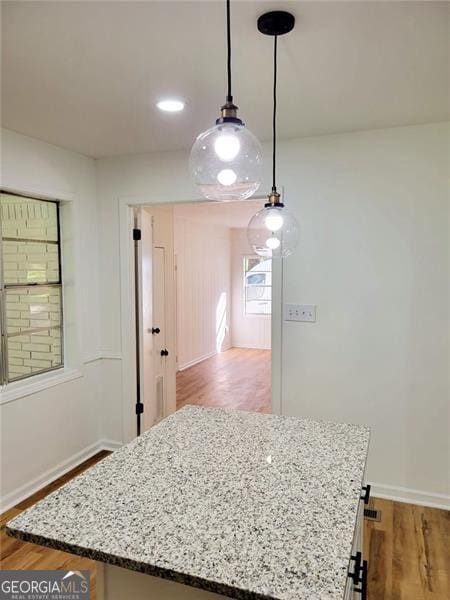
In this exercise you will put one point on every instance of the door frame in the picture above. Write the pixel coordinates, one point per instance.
(126, 206)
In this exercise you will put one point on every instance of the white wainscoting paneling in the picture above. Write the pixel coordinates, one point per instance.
(247, 331)
(203, 289)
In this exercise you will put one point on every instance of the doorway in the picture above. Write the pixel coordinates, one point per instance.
(206, 310)
(155, 322)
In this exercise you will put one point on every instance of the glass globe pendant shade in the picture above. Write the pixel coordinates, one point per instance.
(226, 162)
(273, 232)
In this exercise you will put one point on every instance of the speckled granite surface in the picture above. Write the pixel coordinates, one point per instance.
(242, 504)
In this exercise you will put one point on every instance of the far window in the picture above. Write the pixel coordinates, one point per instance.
(257, 285)
(30, 287)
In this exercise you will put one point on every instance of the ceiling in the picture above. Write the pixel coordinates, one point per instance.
(86, 75)
(227, 214)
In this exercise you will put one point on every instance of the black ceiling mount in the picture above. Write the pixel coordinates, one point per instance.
(276, 22)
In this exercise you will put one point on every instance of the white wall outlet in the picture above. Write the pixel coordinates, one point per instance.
(300, 312)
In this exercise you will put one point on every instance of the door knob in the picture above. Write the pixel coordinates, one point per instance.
(155, 330)
(164, 353)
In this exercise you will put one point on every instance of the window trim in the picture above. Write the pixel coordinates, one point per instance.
(20, 388)
(5, 382)
(245, 286)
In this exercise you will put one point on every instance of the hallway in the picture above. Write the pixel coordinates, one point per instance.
(237, 378)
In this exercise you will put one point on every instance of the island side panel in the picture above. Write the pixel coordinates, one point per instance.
(352, 591)
(116, 583)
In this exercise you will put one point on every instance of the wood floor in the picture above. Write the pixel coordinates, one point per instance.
(408, 551)
(15, 554)
(237, 378)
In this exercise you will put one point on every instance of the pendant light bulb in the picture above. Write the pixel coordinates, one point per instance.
(227, 146)
(226, 160)
(226, 177)
(274, 220)
(273, 243)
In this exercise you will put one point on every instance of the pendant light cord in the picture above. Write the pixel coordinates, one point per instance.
(229, 96)
(274, 120)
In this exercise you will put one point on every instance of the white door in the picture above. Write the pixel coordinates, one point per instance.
(159, 323)
(157, 318)
(147, 345)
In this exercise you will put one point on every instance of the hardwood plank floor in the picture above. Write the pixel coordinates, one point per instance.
(408, 551)
(15, 554)
(237, 378)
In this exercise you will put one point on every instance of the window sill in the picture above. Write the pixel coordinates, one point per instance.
(20, 389)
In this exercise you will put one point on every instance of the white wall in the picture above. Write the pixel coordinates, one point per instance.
(247, 331)
(374, 257)
(43, 431)
(373, 208)
(203, 289)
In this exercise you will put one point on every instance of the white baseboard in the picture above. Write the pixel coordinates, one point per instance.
(109, 445)
(206, 356)
(251, 347)
(26, 490)
(200, 359)
(401, 494)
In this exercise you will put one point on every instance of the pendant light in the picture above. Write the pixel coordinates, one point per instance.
(274, 232)
(226, 160)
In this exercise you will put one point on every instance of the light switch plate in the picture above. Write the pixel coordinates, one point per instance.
(300, 312)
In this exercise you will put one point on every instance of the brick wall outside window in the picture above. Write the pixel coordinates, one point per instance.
(37, 306)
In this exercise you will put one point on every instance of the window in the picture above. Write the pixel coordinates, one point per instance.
(30, 287)
(257, 285)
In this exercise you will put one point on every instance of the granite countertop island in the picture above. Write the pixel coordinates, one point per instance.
(240, 504)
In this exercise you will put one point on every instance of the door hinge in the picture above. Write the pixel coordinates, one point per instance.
(139, 408)
(136, 235)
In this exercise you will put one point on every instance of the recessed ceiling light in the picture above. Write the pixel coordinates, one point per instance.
(170, 105)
